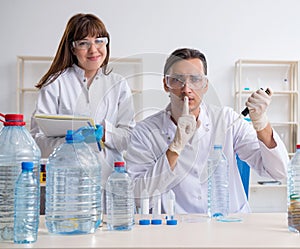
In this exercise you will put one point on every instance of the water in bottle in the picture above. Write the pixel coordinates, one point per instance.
(26, 212)
(16, 146)
(119, 199)
(293, 188)
(218, 180)
(73, 188)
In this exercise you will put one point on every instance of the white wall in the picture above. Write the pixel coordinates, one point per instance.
(224, 30)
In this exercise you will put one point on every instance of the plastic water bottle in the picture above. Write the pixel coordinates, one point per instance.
(293, 194)
(119, 199)
(218, 179)
(26, 212)
(16, 146)
(73, 188)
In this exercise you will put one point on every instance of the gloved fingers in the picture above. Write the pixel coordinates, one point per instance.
(91, 134)
(99, 132)
(260, 96)
(256, 108)
(186, 109)
(187, 124)
(258, 101)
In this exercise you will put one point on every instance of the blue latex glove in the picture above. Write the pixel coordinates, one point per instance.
(91, 134)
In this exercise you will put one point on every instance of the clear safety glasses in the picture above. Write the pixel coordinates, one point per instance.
(86, 44)
(178, 81)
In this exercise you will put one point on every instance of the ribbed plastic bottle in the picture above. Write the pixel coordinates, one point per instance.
(293, 188)
(73, 188)
(26, 212)
(218, 180)
(16, 146)
(119, 199)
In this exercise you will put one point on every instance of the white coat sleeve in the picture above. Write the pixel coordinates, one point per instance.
(266, 162)
(46, 103)
(147, 163)
(117, 135)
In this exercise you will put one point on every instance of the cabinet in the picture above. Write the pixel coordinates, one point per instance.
(282, 78)
(283, 113)
(30, 69)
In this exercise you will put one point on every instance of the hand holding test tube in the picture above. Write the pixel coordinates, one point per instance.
(186, 128)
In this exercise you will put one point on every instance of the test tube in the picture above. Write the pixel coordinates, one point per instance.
(145, 220)
(171, 208)
(156, 209)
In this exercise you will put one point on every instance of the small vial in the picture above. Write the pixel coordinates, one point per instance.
(43, 163)
(145, 220)
(156, 209)
(171, 208)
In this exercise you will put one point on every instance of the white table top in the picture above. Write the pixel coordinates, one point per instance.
(257, 230)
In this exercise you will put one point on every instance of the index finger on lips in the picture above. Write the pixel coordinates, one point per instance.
(185, 109)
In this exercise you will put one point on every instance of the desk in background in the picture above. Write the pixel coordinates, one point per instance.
(257, 230)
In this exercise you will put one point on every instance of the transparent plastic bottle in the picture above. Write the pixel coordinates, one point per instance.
(293, 188)
(218, 180)
(156, 208)
(119, 199)
(144, 202)
(16, 146)
(26, 212)
(73, 188)
(171, 200)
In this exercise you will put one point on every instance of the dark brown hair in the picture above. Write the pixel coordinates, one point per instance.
(184, 54)
(78, 27)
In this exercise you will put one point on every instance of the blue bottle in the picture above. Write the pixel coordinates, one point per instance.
(73, 188)
(26, 212)
(16, 146)
(119, 199)
(218, 180)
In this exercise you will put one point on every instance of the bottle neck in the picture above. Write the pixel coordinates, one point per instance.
(120, 169)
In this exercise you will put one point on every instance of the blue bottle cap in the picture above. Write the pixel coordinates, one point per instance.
(171, 222)
(144, 222)
(156, 222)
(27, 166)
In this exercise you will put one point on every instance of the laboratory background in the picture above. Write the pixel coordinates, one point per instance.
(248, 44)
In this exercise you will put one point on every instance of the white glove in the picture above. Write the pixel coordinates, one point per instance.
(257, 104)
(186, 127)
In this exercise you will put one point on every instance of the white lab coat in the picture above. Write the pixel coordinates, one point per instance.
(148, 165)
(108, 100)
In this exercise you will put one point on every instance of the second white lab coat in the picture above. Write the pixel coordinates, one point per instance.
(148, 165)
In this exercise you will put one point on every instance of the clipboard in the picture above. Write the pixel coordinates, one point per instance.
(57, 125)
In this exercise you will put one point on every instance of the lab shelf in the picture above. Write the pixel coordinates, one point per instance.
(281, 76)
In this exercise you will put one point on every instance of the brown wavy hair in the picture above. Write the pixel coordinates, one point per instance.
(78, 27)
